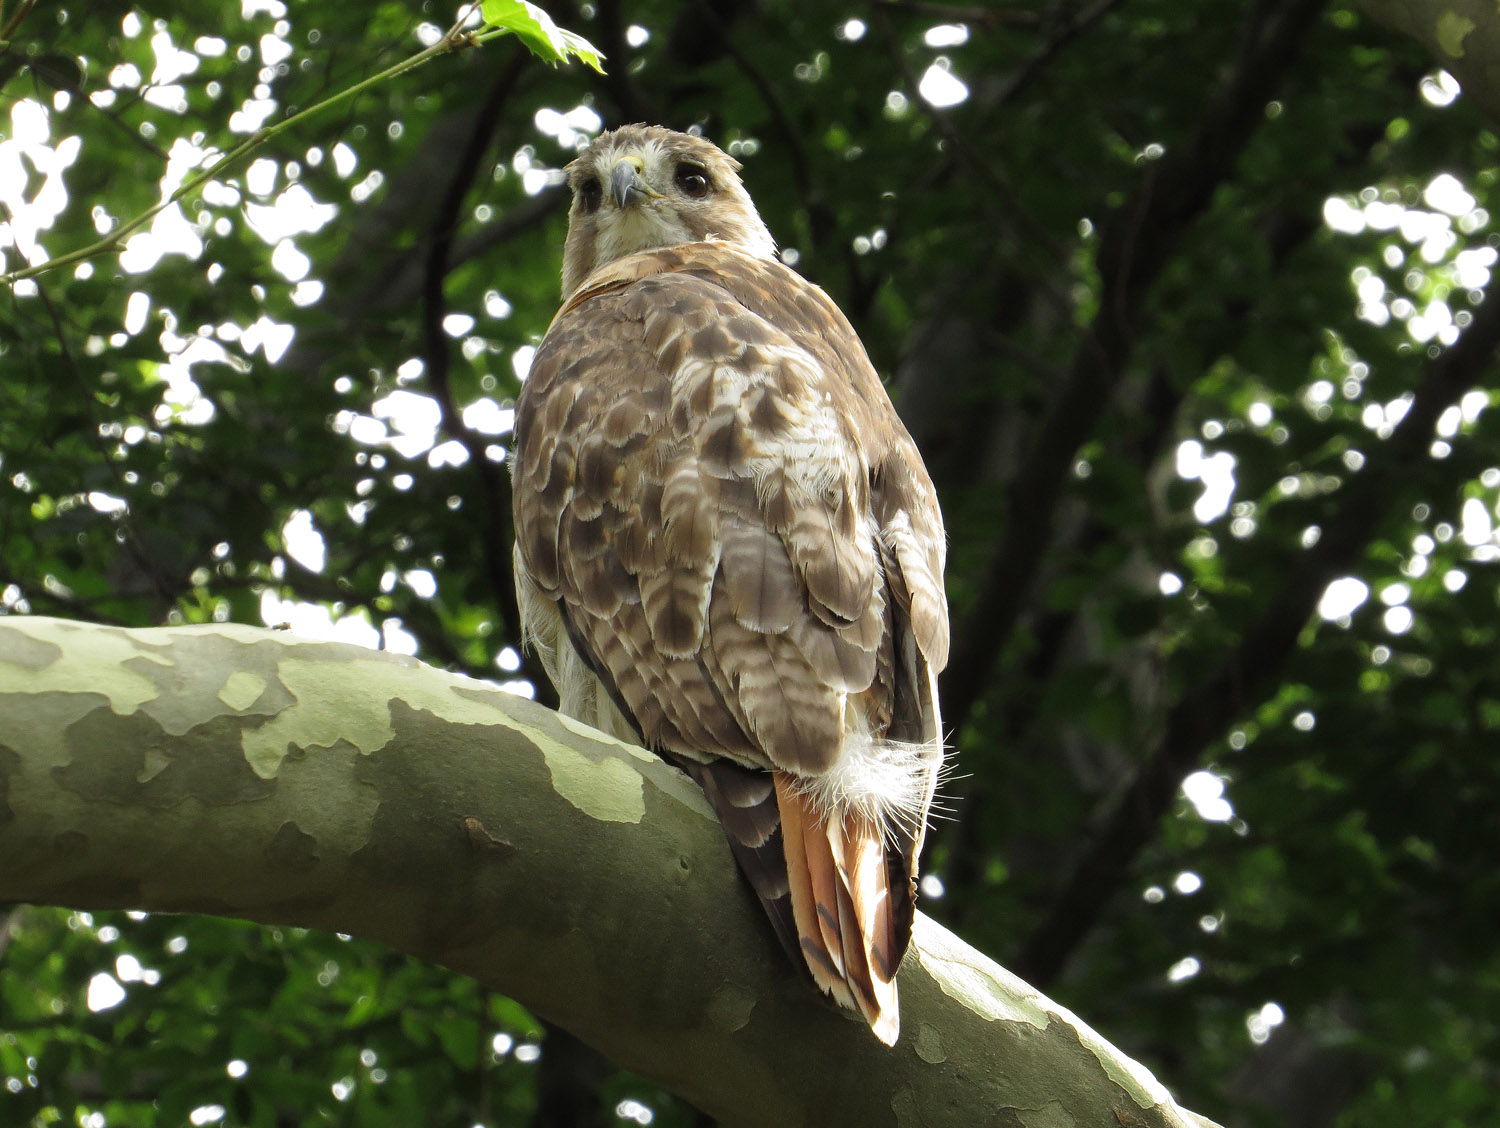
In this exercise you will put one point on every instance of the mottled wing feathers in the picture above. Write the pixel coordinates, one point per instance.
(717, 505)
(675, 446)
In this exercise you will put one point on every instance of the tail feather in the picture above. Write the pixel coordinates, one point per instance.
(859, 851)
(838, 896)
(841, 904)
(811, 891)
(828, 892)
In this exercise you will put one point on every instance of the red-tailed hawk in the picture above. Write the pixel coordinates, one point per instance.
(728, 550)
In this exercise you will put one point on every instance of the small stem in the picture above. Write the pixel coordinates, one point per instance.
(451, 41)
(8, 27)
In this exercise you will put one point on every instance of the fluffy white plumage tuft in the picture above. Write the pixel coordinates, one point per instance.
(888, 782)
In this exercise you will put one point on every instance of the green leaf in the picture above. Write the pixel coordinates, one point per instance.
(538, 31)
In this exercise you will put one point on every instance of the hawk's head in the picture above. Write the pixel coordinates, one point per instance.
(643, 186)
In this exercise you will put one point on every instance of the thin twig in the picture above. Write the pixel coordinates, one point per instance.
(791, 136)
(453, 40)
(16, 18)
(1005, 208)
(1047, 52)
(953, 13)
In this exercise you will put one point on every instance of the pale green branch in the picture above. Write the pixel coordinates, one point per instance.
(249, 773)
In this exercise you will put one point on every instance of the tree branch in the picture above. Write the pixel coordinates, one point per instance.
(1135, 245)
(1251, 672)
(452, 41)
(494, 483)
(954, 13)
(243, 772)
(1149, 427)
(1070, 27)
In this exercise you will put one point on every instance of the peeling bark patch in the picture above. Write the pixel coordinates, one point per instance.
(127, 760)
(904, 1105)
(929, 1045)
(242, 690)
(154, 763)
(329, 699)
(324, 709)
(1144, 1089)
(583, 730)
(516, 714)
(190, 686)
(729, 1009)
(292, 849)
(92, 658)
(606, 789)
(31, 653)
(989, 991)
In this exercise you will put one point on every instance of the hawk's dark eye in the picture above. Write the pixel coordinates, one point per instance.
(692, 180)
(590, 193)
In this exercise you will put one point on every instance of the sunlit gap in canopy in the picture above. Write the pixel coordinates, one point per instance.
(403, 428)
(1434, 256)
(173, 232)
(1430, 263)
(270, 196)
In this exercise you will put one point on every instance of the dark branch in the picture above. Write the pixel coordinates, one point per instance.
(956, 13)
(1135, 245)
(632, 101)
(1069, 29)
(495, 535)
(1254, 668)
(789, 136)
(1149, 428)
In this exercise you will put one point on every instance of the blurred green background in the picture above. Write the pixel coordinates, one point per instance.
(1185, 305)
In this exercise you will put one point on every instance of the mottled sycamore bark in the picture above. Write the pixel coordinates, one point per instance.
(247, 773)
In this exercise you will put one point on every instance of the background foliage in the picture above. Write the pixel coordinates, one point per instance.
(1185, 305)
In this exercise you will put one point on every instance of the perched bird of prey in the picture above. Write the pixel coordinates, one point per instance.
(728, 549)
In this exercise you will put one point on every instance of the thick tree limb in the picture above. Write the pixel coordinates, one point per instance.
(243, 772)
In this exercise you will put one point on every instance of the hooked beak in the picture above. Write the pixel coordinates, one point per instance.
(625, 184)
